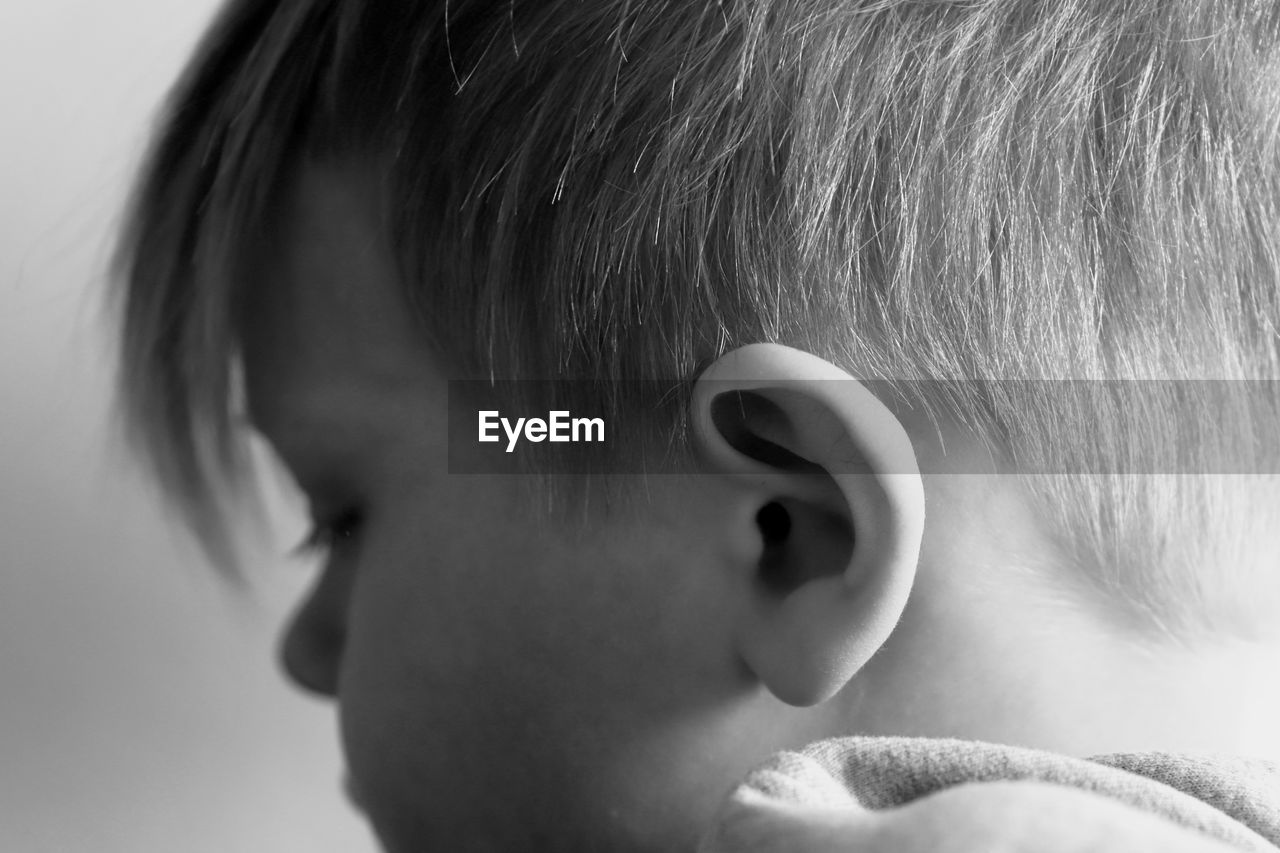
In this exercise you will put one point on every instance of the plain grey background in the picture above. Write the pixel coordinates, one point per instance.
(141, 708)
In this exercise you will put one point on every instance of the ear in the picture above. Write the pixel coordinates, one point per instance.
(830, 477)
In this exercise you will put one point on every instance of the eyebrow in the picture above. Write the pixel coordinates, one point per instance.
(302, 428)
(312, 404)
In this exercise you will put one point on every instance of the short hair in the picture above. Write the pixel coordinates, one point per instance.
(617, 190)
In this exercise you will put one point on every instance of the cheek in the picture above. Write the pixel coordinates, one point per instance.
(495, 659)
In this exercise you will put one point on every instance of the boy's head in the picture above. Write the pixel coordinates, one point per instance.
(357, 202)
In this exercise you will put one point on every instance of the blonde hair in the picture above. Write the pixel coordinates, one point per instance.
(621, 190)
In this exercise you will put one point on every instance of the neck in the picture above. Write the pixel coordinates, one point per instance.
(1001, 653)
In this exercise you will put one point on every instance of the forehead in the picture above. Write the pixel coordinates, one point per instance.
(325, 325)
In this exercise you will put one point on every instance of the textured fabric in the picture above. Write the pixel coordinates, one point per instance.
(1236, 801)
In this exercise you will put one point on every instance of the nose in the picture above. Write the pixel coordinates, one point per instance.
(312, 646)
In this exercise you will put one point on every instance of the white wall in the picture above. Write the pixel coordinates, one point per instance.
(140, 706)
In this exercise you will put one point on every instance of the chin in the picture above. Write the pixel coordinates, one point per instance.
(420, 834)
(400, 831)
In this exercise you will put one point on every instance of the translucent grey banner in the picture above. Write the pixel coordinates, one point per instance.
(553, 427)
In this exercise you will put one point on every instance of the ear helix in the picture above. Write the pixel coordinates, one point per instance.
(813, 620)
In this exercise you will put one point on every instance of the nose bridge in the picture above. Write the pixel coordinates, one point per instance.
(312, 646)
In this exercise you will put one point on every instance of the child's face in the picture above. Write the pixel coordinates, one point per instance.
(504, 681)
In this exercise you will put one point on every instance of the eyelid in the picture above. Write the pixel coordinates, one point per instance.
(328, 534)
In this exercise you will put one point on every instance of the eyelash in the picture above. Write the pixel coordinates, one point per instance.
(325, 536)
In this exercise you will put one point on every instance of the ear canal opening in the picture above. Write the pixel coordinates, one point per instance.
(774, 522)
(800, 543)
(745, 418)
(775, 570)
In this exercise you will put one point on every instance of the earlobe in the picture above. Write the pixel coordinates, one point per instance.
(840, 515)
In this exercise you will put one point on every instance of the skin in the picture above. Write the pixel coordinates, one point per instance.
(504, 681)
(508, 680)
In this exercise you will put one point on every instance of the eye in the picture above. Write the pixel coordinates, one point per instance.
(329, 535)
